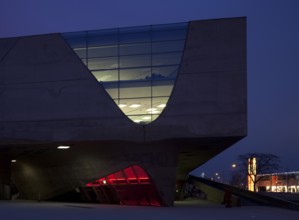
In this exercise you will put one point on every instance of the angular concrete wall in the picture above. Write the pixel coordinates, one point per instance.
(210, 94)
(48, 94)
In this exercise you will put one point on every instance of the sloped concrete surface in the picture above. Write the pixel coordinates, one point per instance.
(19, 210)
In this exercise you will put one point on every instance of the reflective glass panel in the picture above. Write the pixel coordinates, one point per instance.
(143, 119)
(134, 35)
(78, 34)
(129, 30)
(130, 49)
(81, 52)
(106, 75)
(77, 42)
(137, 66)
(135, 61)
(135, 89)
(84, 61)
(168, 46)
(103, 51)
(102, 37)
(165, 72)
(160, 102)
(166, 59)
(168, 35)
(136, 106)
(112, 89)
(104, 32)
(134, 38)
(169, 27)
(103, 63)
(105, 40)
(135, 74)
(162, 88)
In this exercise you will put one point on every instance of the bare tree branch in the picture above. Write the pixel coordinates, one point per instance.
(265, 163)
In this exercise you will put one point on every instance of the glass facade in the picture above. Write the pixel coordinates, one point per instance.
(137, 66)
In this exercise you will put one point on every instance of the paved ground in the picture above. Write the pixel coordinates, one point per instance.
(23, 210)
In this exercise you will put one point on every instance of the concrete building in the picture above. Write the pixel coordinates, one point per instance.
(136, 108)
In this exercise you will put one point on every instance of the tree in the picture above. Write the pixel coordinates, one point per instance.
(265, 163)
(238, 179)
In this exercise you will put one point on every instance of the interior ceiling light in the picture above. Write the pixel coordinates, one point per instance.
(122, 105)
(161, 106)
(154, 112)
(146, 118)
(13, 161)
(151, 109)
(135, 105)
(63, 147)
(137, 121)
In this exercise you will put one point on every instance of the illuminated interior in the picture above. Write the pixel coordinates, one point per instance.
(286, 182)
(137, 66)
(130, 186)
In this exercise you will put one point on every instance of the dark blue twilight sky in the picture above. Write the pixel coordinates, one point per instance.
(273, 55)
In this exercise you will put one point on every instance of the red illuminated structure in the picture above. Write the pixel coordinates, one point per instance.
(130, 186)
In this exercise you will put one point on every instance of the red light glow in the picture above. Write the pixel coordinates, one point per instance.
(132, 186)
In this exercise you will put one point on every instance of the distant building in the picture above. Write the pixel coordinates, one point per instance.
(287, 182)
(119, 115)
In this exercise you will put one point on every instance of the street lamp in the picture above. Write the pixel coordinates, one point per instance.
(232, 175)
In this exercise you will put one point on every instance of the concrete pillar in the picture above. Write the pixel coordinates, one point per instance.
(5, 171)
(180, 189)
